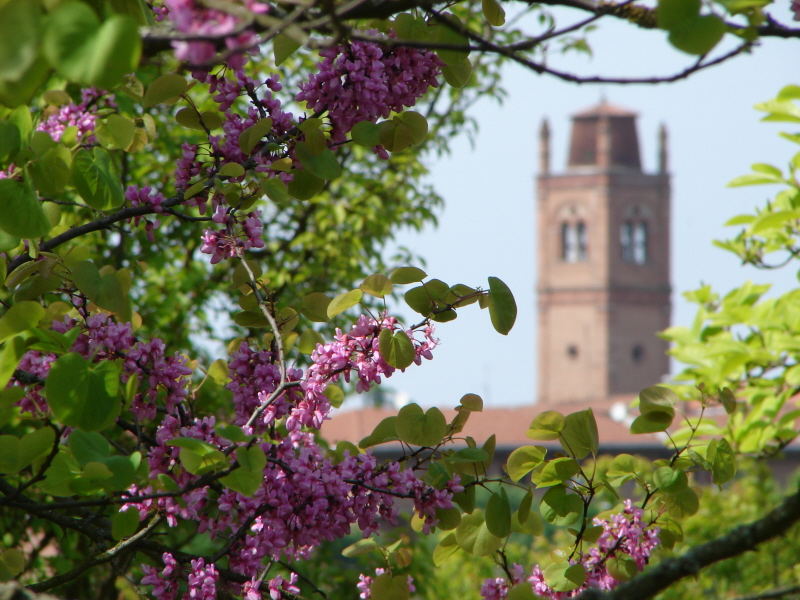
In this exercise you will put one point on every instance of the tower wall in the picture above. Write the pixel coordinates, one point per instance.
(604, 264)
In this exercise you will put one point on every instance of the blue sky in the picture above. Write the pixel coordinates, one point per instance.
(488, 225)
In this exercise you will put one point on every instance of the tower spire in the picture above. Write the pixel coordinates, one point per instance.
(544, 147)
(663, 151)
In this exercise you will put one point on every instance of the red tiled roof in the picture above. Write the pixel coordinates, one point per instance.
(508, 424)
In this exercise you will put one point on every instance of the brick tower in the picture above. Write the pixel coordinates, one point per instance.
(604, 262)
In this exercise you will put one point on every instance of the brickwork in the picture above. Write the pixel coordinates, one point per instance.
(604, 263)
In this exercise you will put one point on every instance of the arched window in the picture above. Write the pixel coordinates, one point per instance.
(640, 243)
(582, 246)
(626, 241)
(633, 242)
(574, 246)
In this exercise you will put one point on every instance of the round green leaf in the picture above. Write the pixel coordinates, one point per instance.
(315, 306)
(377, 285)
(561, 508)
(82, 395)
(21, 213)
(166, 88)
(343, 301)
(20, 28)
(124, 524)
(420, 428)
(403, 275)
(524, 460)
(82, 49)
(498, 514)
(474, 537)
(698, 35)
(546, 426)
(20, 317)
(396, 348)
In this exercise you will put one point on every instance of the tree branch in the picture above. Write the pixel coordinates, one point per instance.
(738, 541)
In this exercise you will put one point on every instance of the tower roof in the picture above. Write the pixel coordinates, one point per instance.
(605, 109)
(604, 136)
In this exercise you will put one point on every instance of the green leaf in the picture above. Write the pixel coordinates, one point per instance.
(165, 89)
(698, 35)
(402, 275)
(343, 301)
(249, 476)
(83, 395)
(493, 12)
(560, 507)
(563, 577)
(104, 287)
(10, 138)
(251, 136)
(523, 460)
(10, 355)
(377, 285)
(396, 348)
(502, 307)
(116, 131)
(124, 524)
(385, 431)
(334, 394)
(445, 549)
(361, 547)
(498, 514)
(22, 316)
(89, 446)
(556, 471)
(305, 185)
(471, 402)
(21, 213)
(522, 591)
(651, 423)
(86, 51)
(20, 28)
(199, 457)
(419, 428)
(669, 479)
(283, 46)
(389, 587)
(315, 306)
(51, 171)
(323, 164)
(9, 454)
(12, 562)
(723, 461)
(92, 177)
(657, 399)
(672, 14)
(579, 435)
(622, 568)
(366, 133)
(474, 536)
(458, 73)
(546, 426)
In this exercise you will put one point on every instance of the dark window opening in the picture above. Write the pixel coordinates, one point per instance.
(574, 245)
(633, 242)
(637, 353)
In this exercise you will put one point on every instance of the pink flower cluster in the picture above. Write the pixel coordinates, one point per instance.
(356, 351)
(237, 236)
(364, 584)
(193, 18)
(624, 534)
(83, 116)
(160, 376)
(363, 81)
(254, 375)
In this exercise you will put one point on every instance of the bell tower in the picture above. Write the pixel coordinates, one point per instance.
(604, 262)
